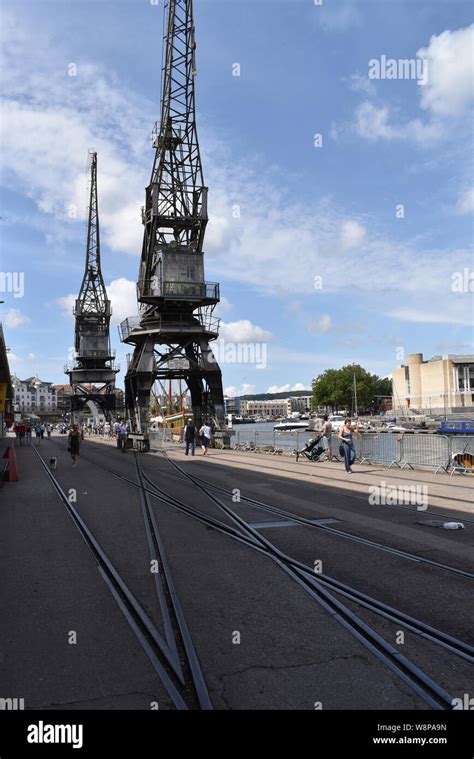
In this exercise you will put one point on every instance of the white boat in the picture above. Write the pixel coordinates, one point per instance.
(291, 424)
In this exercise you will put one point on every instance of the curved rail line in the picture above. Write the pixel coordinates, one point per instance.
(431, 692)
(359, 497)
(180, 674)
(347, 535)
(341, 533)
(319, 588)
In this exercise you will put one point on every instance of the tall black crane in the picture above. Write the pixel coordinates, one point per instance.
(92, 376)
(172, 335)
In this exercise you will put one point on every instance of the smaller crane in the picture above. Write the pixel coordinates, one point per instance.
(92, 377)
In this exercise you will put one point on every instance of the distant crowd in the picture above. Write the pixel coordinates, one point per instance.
(24, 432)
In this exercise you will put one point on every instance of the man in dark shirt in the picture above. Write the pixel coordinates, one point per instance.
(190, 436)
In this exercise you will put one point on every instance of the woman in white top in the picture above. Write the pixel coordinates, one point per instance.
(205, 434)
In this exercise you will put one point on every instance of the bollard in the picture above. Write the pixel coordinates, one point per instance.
(11, 470)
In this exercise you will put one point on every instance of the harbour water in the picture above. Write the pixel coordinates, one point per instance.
(262, 434)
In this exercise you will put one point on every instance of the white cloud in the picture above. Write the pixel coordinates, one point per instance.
(352, 235)
(234, 392)
(66, 302)
(428, 315)
(447, 94)
(450, 60)
(320, 326)
(243, 331)
(360, 83)
(50, 120)
(373, 123)
(123, 297)
(278, 389)
(122, 294)
(466, 201)
(37, 151)
(14, 318)
(280, 246)
(286, 388)
(13, 359)
(277, 247)
(224, 306)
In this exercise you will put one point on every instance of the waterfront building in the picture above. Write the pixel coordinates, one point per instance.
(232, 406)
(275, 407)
(33, 395)
(439, 386)
(63, 398)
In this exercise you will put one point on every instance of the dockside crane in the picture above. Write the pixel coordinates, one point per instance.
(92, 375)
(172, 335)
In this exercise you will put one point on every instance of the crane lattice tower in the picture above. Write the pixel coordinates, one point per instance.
(92, 376)
(172, 335)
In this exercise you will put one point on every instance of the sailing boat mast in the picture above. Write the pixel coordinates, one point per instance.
(355, 397)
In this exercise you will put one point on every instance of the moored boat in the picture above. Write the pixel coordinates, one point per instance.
(287, 425)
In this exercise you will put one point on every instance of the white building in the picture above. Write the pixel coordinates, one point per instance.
(275, 407)
(443, 384)
(33, 396)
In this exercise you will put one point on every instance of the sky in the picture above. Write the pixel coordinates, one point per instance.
(341, 194)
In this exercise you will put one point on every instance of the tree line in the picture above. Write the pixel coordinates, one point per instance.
(334, 388)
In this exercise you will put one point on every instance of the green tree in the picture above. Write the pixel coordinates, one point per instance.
(383, 386)
(335, 388)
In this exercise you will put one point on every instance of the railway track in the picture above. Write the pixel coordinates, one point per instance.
(317, 487)
(324, 590)
(173, 657)
(346, 535)
(291, 516)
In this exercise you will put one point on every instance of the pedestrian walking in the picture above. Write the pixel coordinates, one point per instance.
(345, 436)
(205, 435)
(38, 431)
(74, 444)
(48, 430)
(190, 436)
(327, 432)
(122, 435)
(28, 434)
(21, 433)
(41, 431)
(116, 431)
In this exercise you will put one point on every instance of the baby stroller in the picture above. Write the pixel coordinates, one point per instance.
(313, 449)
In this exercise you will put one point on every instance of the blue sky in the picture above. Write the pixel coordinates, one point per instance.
(306, 212)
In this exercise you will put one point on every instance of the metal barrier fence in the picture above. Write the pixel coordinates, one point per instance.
(262, 439)
(454, 453)
(381, 448)
(425, 451)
